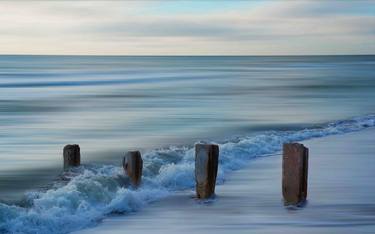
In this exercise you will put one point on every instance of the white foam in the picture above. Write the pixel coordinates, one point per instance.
(98, 191)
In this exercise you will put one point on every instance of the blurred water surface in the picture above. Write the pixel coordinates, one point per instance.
(109, 104)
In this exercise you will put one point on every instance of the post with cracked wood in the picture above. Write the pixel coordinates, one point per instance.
(295, 170)
(72, 156)
(206, 165)
(133, 164)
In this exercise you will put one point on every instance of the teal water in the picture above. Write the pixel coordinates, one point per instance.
(162, 106)
(111, 104)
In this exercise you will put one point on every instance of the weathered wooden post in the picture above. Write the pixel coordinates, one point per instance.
(206, 164)
(295, 168)
(72, 156)
(133, 164)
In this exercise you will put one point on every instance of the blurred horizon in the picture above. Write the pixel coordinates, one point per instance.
(188, 55)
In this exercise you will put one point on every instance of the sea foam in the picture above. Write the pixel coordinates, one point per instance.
(96, 191)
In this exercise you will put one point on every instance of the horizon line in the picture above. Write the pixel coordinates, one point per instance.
(182, 55)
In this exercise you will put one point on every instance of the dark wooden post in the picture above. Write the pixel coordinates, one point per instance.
(295, 169)
(133, 164)
(206, 164)
(72, 156)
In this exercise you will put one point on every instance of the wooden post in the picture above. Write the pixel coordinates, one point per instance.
(295, 169)
(133, 164)
(72, 156)
(206, 164)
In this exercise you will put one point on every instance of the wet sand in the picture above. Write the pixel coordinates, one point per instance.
(340, 197)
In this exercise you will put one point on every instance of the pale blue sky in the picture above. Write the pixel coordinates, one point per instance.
(221, 27)
(200, 7)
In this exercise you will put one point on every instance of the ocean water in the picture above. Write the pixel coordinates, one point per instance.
(162, 106)
(340, 197)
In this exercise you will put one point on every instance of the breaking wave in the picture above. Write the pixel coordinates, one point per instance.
(89, 193)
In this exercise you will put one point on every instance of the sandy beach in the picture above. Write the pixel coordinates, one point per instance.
(340, 197)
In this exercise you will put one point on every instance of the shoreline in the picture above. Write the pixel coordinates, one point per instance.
(99, 192)
(339, 197)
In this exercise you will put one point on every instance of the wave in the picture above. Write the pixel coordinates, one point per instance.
(93, 192)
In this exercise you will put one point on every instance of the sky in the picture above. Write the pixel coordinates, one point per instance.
(221, 27)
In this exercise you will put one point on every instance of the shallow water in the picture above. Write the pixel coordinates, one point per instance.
(340, 197)
(111, 104)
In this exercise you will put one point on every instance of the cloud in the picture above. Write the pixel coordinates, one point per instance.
(118, 27)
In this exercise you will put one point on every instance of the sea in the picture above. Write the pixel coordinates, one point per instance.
(162, 106)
